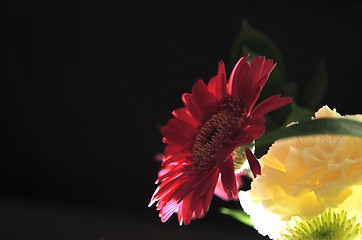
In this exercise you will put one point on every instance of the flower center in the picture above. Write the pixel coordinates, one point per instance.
(213, 136)
(328, 225)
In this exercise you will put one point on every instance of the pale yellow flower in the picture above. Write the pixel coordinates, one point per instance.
(302, 177)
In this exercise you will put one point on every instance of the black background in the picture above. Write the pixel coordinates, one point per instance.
(84, 88)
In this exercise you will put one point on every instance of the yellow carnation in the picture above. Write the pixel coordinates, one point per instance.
(302, 177)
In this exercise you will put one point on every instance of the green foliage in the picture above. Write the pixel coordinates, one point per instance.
(251, 40)
(238, 214)
(322, 126)
(298, 114)
(314, 92)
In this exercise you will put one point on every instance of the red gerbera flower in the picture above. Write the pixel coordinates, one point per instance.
(204, 138)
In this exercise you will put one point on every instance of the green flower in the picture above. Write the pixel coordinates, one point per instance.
(329, 225)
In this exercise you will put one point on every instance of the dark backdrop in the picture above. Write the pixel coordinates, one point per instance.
(84, 88)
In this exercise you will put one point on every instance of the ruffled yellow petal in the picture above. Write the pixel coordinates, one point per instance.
(304, 176)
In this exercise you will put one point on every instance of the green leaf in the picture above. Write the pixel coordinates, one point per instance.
(299, 114)
(315, 90)
(253, 40)
(275, 85)
(239, 215)
(322, 126)
(246, 50)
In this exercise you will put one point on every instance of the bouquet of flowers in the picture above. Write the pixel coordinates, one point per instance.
(303, 158)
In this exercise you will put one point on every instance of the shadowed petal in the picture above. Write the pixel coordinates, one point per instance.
(253, 163)
(254, 126)
(183, 115)
(219, 190)
(202, 96)
(228, 178)
(177, 132)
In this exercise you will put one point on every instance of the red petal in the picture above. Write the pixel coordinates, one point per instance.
(170, 184)
(228, 178)
(235, 74)
(219, 189)
(183, 115)
(224, 154)
(255, 95)
(267, 68)
(172, 149)
(253, 163)
(178, 132)
(199, 211)
(254, 126)
(261, 70)
(256, 67)
(242, 82)
(168, 210)
(185, 210)
(201, 95)
(271, 104)
(178, 127)
(255, 131)
(168, 171)
(192, 107)
(207, 197)
(217, 84)
(196, 195)
(175, 158)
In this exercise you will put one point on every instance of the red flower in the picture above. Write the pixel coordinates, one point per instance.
(202, 136)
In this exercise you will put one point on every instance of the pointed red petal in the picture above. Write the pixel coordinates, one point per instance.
(172, 149)
(185, 210)
(254, 126)
(217, 84)
(271, 104)
(196, 197)
(267, 67)
(242, 82)
(219, 190)
(207, 197)
(202, 96)
(192, 107)
(256, 67)
(228, 178)
(255, 131)
(260, 71)
(183, 115)
(253, 163)
(181, 156)
(177, 127)
(235, 74)
(224, 154)
(168, 210)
